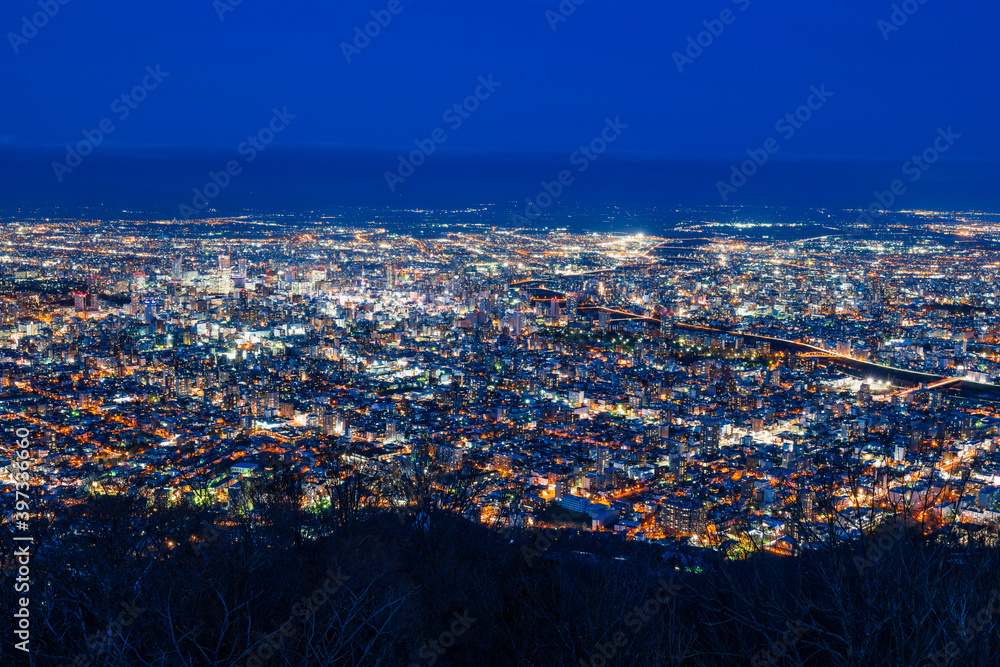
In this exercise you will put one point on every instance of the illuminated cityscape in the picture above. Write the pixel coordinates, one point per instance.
(704, 389)
(563, 333)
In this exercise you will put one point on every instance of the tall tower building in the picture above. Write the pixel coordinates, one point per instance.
(666, 325)
(650, 436)
(807, 500)
(603, 459)
(150, 307)
(710, 436)
(876, 291)
(788, 455)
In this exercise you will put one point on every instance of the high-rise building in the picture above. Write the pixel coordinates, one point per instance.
(475, 387)
(177, 268)
(807, 499)
(666, 325)
(502, 462)
(225, 265)
(449, 455)
(603, 459)
(150, 310)
(184, 384)
(710, 436)
(572, 303)
(685, 516)
(788, 455)
(328, 423)
(650, 436)
(876, 291)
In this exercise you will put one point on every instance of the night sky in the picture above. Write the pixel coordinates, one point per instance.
(894, 79)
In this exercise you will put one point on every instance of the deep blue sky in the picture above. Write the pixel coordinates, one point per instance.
(610, 58)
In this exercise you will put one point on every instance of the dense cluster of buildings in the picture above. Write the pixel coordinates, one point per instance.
(728, 393)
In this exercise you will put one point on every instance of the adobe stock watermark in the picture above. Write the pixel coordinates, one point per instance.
(581, 159)
(301, 612)
(431, 650)
(787, 125)
(249, 149)
(23, 538)
(636, 620)
(223, 7)
(381, 18)
(696, 44)
(901, 13)
(779, 649)
(881, 543)
(915, 168)
(974, 626)
(99, 641)
(455, 115)
(122, 107)
(31, 25)
(561, 13)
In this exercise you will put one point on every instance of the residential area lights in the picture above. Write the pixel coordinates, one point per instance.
(717, 392)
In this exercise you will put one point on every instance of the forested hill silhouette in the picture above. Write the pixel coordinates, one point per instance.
(123, 580)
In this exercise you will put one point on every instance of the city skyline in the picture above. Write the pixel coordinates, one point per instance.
(554, 332)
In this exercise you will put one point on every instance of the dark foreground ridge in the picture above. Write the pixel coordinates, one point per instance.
(123, 581)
